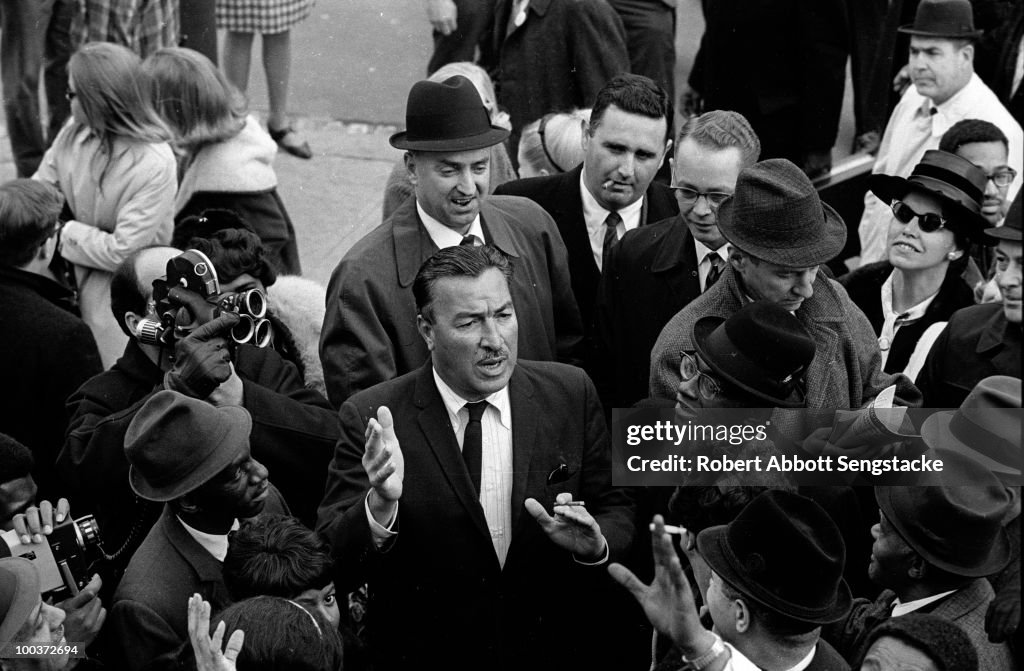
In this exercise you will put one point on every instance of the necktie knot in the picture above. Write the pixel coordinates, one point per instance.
(717, 265)
(611, 224)
(469, 240)
(476, 410)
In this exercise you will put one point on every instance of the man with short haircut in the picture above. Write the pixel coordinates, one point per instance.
(613, 190)
(293, 430)
(981, 340)
(776, 576)
(655, 271)
(194, 458)
(779, 232)
(933, 547)
(984, 145)
(444, 483)
(46, 350)
(369, 334)
(945, 90)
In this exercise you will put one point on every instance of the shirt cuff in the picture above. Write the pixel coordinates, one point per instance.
(381, 534)
(602, 560)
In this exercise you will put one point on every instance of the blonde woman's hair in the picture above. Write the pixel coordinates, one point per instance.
(112, 93)
(474, 73)
(553, 143)
(195, 98)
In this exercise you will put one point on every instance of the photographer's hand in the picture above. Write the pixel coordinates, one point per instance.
(38, 521)
(228, 392)
(202, 360)
(85, 613)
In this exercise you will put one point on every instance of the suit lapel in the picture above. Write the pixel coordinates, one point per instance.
(525, 415)
(413, 245)
(440, 436)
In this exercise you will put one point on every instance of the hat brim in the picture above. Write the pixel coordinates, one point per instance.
(936, 433)
(998, 557)
(238, 427)
(826, 246)
(713, 545)
(888, 188)
(26, 595)
(701, 330)
(908, 29)
(998, 233)
(483, 140)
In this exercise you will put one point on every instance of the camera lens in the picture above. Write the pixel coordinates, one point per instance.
(243, 331)
(255, 303)
(264, 333)
(89, 531)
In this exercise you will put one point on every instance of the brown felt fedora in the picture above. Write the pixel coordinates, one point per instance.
(955, 181)
(784, 552)
(176, 443)
(775, 214)
(943, 18)
(953, 519)
(446, 116)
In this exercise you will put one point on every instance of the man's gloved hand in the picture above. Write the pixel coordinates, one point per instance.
(1003, 616)
(202, 360)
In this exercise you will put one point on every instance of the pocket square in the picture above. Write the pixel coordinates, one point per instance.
(560, 474)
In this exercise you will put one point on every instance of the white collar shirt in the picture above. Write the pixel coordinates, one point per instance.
(892, 321)
(445, 237)
(496, 459)
(910, 606)
(215, 544)
(704, 264)
(594, 216)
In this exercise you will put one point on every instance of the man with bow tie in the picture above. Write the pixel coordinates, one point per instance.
(474, 494)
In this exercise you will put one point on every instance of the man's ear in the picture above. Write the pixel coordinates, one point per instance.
(918, 567)
(186, 505)
(741, 612)
(426, 330)
(667, 154)
(410, 166)
(131, 320)
(585, 135)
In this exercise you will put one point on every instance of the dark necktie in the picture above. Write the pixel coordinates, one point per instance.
(611, 223)
(473, 442)
(716, 269)
(469, 240)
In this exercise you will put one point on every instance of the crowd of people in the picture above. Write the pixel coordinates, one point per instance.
(210, 462)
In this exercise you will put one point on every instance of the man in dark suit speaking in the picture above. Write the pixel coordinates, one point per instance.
(430, 481)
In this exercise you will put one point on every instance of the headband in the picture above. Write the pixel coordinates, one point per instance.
(540, 131)
(303, 609)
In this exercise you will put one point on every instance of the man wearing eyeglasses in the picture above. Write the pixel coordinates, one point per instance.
(945, 90)
(656, 270)
(984, 145)
(779, 233)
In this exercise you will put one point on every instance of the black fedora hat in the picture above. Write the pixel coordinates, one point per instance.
(955, 181)
(775, 214)
(761, 348)
(446, 116)
(1011, 228)
(943, 18)
(953, 525)
(784, 552)
(986, 427)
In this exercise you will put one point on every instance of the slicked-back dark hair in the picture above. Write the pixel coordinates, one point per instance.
(634, 94)
(968, 131)
(458, 261)
(276, 555)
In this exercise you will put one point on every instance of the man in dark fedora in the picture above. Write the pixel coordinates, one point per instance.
(194, 457)
(945, 90)
(369, 332)
(776, 578)
(981, 340)
(779, 232)
(933, 547)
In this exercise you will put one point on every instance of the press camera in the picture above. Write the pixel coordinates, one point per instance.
(64, 559)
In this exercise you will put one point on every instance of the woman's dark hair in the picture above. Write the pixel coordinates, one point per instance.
(232, 245)
(281, 634)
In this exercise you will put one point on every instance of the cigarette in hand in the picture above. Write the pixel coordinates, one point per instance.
(671, 529)
(570, 503)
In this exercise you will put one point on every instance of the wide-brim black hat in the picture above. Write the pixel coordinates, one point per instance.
(446, 116)
(1011, 228)
(761, 349)
(784, 552)
(943, 18)
(776, 215)
(955, 181)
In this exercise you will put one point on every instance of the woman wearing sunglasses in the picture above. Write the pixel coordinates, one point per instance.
(113, 163)
(909, 297)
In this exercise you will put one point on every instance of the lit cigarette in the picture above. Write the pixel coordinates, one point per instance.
(671, 529)
(570, 503)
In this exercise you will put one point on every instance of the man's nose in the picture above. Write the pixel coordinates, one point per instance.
(803, 286)
(990, 188)
(257, 472)
(702, 206)
(466, 183)
(627, 165)
(490, 336)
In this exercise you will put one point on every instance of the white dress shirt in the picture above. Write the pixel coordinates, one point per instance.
(704, 265)
(892, 320)
(910, 606)
(445, 237)
(594, 216)
(913, 129)
(215, 544)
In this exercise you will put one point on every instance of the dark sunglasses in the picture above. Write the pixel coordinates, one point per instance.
(928, 223)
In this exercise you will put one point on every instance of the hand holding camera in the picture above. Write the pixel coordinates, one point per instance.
(202, 360)
(38, 521)
(85, 613)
